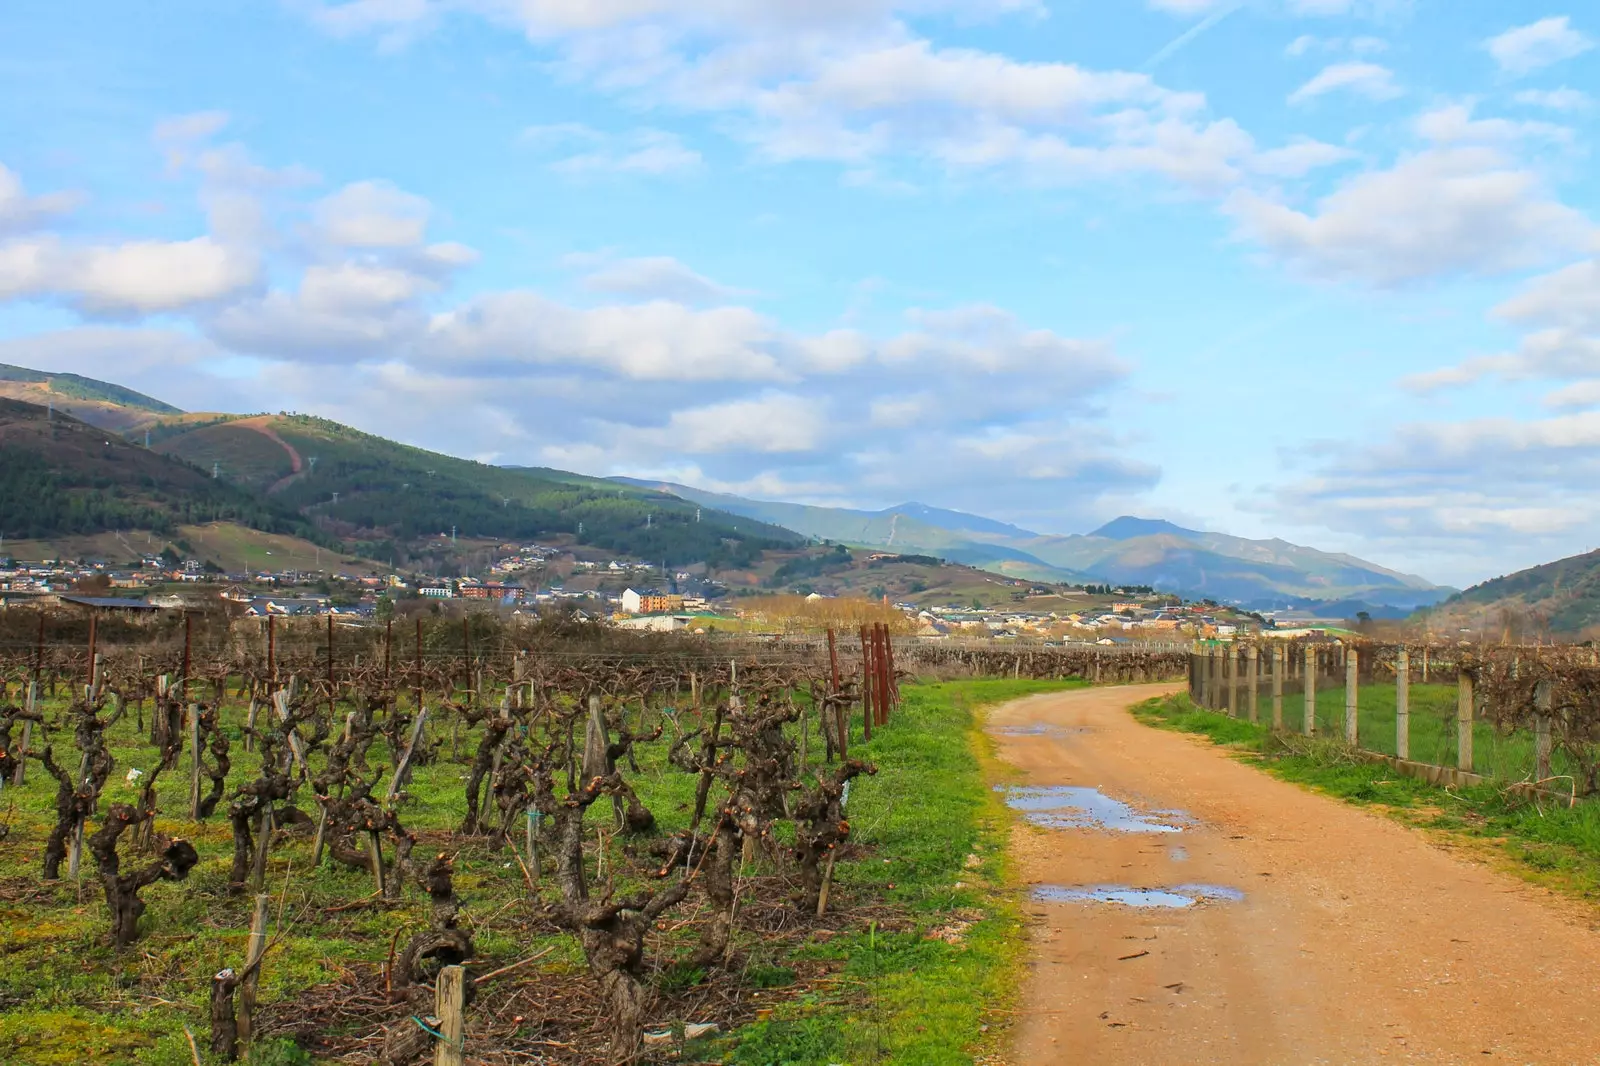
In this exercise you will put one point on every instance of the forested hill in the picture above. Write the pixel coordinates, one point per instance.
(63, 477)
(1559, 598)
(381, 498)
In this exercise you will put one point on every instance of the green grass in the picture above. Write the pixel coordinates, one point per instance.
(881, 992)
(1545, 842)
(905, 997)
(1433, 730)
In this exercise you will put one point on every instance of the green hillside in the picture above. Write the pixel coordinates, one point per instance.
(1560, 598)
(381, 497)
(73, 386)
(60, 476)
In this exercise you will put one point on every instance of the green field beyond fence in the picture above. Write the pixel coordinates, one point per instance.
(1504, 741)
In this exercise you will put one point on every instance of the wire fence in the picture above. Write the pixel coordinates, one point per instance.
(1514, 714)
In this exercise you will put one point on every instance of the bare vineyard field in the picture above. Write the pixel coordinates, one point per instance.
(701, 861)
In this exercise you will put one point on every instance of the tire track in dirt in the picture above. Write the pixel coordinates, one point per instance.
(296, 466)
(1358, 940)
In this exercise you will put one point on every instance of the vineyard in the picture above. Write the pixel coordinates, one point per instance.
(451, 841)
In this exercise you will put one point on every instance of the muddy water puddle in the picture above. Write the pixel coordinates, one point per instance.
(1041, 729)
(1175, 898)
(1076, 807)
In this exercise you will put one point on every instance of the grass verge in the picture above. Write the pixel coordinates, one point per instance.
(917, 989)
(1548, 844)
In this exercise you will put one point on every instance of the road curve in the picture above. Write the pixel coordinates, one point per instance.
(1358, 940)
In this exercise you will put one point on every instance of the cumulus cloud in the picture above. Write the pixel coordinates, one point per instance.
(1562, 99)
(1560, 314)
(195, 126)
(578, 149)
(1364, 79)
(136, 277)
(1525, 49)
(1523, 485)
(20, 211)
(372, 214)
(1444, 211)
(656, 277)
(1299, 158)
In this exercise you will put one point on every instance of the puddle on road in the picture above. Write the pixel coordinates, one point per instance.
(1075, 807)
(1175, 898)
(1041, 729)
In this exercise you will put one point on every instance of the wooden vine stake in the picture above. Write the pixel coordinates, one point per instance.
(449, 1049)
(194, 759)
(255, 948)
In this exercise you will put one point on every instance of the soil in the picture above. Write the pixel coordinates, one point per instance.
(1358, 940)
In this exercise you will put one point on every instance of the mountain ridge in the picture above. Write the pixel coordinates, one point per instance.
(1268, 574)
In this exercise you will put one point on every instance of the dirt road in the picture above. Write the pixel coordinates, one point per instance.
(1356, 939)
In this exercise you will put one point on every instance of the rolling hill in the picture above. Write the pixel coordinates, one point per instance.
(64, 477)
(294, 473)
(1258, 574)
(98, 403)
(1560, 598)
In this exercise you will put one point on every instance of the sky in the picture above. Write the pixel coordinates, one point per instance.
(1318, 269)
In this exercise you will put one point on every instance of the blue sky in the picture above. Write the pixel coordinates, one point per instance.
(1321, 269)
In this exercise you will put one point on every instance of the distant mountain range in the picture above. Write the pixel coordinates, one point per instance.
(1257, 574)
(383, 500)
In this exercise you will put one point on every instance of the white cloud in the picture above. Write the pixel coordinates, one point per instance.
(1579, 394)
(1188, 7)
(1364, 79)
(656, 277)
(1299, 158)
(1488, 481)
(19, 211)
(373, 214)
(1525, 49)
(655, 341)
(639, 151)
(154, 276)
(137, 277)
(849, 82)
(1560, 312)
(1555, 99)
(1444, 211)
(772, 423)
(196, 126)
(1361, 46)
(1454, 124)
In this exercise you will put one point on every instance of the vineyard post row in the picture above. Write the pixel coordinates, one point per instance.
(1551, 692)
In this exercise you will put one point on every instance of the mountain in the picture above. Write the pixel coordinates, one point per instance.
(1128, 527)
(369, 496)
(1560, 598)
(98, 403)
(1259, 574)
(387, 500)
(63, 477)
